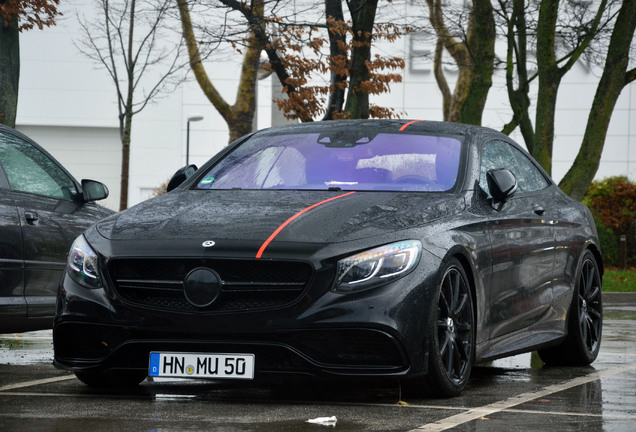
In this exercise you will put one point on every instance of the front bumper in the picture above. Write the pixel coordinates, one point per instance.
(100, 348)
(375, 333)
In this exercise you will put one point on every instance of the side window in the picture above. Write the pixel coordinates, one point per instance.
(30, 170)
(528, 176)
(500, 154)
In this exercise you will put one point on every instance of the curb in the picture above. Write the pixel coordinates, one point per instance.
(619, 298)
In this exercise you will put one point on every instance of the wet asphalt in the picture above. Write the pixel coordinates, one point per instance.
(514, 394)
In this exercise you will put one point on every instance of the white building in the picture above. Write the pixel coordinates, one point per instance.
(67, 104)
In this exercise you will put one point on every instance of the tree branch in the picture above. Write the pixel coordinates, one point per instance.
(195, 63)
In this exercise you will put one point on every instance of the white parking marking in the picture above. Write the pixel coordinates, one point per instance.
(486, 410)
(469, 414)
(574, 414)
(36, 382)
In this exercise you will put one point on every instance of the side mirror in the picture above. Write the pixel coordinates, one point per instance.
(180, 176)
(502, 184)
(93, 190)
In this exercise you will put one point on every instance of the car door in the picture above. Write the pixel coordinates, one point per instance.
(12, 303)
(523, 243)
(44, 200)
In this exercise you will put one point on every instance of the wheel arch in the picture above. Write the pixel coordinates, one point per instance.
(598, 257)
(463, 257)
(468, 268)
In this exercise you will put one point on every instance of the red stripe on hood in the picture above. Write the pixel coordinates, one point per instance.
(288, 221)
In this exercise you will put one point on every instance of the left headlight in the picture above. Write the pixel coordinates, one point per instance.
(82, 264)
(377, 266)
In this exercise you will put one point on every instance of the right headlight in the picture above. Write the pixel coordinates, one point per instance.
(82, 264)
(377, 266)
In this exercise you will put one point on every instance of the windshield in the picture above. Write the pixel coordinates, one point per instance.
(385, 161)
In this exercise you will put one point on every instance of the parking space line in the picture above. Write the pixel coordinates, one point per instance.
(479, 412)
(40, 394)
(573, 414)
(36, 382)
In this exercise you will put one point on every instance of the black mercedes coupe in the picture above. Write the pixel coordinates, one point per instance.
(393, 249)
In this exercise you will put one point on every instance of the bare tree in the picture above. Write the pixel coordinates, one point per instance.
(561, 34)
(615, 77)
(127, 39)
(551, 70)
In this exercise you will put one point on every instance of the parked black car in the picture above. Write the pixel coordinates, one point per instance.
(42, 209)
(391, 249)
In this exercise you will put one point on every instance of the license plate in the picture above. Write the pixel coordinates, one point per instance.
(201, 365)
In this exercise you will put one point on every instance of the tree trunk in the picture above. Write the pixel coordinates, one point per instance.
(337, 39)
(239, 117)
(549, 80)
(517, 57)
(244, 109)
(442, 83)
(125, 129)
(126, 113)
(363, 17)
(9, 72)
(481, 45)
(615, 77)
(474, 58)
(550, 73)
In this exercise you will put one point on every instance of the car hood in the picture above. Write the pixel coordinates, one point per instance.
(287, 215)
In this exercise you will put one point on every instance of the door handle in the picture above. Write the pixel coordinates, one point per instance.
(31, 216)
(537, 209)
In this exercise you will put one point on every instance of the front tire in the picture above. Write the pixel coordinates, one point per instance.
(585, 320)
(451, 336)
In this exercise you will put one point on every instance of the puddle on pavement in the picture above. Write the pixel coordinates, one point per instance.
(520, 361)
(26, 348)
(292, 426)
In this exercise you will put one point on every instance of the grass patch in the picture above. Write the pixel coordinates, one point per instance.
(616, 280)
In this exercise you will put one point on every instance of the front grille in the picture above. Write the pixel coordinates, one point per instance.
(246, 284)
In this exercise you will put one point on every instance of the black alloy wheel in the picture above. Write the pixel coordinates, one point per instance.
(455, 326)
(589, 304)
(451, 336)
(585, 321)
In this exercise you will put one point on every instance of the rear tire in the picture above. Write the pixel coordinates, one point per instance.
(585, 320)
(451, 336)
(111, 379)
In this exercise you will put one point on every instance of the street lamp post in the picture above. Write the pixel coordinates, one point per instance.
(191, 118)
